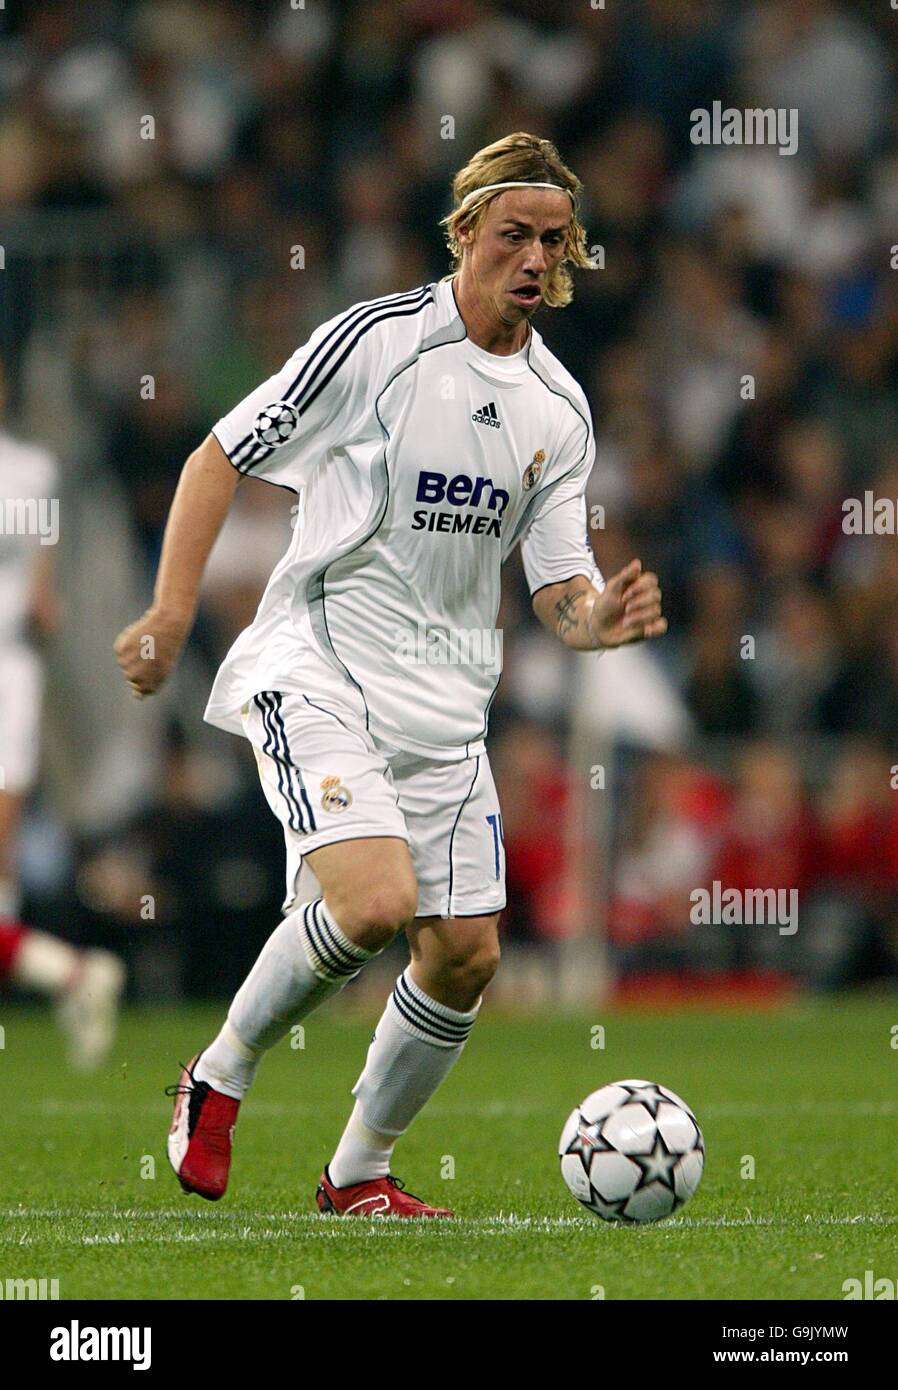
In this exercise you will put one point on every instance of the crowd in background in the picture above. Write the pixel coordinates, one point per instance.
(739, 347)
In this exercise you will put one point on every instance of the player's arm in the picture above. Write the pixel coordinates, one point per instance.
(280, 432)
(148, 649)
(586, 618)
(44, 606)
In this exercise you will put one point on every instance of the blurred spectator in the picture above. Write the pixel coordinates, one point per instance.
(197, 865)
(799, 52)
(666, 850)
(531, 772)
(769, 838)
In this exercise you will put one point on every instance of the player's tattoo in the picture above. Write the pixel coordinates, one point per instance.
(567, 617)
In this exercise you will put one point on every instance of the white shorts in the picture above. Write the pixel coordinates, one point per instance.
(21, 696)
(328, 779)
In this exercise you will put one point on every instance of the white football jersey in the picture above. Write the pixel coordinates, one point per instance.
(28, 512)
(421, 461)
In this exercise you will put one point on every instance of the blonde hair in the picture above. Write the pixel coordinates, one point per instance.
(518, 158)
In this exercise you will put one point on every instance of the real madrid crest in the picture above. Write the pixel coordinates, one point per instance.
(533, 471)
(335, 797)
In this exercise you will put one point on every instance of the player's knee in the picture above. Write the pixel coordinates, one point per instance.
(469, 975)
(372, 918)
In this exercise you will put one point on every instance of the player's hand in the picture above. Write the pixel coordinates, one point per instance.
(628, 609)
(148, 650)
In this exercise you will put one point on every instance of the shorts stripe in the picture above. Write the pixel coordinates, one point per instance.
(278, 749)
(291, 765)
(455, 827)
(269, 749)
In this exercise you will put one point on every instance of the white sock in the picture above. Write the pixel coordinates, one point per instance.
(361, 1154)
(416, 1044)
(228, 1064)
(45, 963)
(304, 961)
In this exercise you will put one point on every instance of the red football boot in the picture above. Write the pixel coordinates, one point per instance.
(378, 1197)
(201, 1135)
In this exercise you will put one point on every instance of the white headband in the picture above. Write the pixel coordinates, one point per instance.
(512, 183)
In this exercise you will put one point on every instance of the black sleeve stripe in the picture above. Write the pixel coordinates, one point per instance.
(263, 451)
(313, 364)
(351, 317)
(307, 386)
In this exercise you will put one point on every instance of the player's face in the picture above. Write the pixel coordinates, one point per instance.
(518, 243)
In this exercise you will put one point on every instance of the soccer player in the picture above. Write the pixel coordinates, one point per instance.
(85, 986)
(427, 433)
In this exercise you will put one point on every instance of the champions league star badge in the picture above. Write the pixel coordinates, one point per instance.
(276, 424)
(335, 797)
(533, 471)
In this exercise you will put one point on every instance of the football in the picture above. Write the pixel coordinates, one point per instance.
(632, 1152)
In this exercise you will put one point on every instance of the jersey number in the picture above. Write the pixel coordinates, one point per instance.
(495, 823)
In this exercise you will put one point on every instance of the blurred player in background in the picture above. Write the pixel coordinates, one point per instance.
(85, 986)
(429, 432)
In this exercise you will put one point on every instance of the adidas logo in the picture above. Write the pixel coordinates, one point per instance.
(486, 415)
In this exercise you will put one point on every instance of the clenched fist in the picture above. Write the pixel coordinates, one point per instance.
(628, 609)
(148, 649)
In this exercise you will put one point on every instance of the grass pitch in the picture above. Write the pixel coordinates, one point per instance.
(87, 1197)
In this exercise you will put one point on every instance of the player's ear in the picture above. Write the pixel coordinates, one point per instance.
(465, 235)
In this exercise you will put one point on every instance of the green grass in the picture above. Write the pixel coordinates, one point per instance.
(810, 1093)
